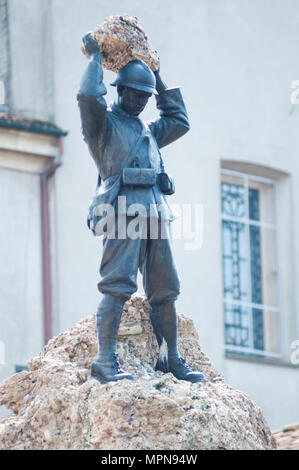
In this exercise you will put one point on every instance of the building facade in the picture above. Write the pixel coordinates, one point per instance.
(237, 171)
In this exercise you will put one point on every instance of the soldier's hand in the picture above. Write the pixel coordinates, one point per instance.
(91, 46)
(157, 71)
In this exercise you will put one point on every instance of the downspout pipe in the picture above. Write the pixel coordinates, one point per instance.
(46, 253)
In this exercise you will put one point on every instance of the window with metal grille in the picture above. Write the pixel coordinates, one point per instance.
(249, 258)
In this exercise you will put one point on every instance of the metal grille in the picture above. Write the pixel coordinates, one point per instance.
(242, 266)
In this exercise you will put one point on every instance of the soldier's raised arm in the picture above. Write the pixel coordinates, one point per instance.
(91, 93)
(173, 122)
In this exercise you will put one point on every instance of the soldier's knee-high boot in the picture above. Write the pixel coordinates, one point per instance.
(106, 367)
(164, 321)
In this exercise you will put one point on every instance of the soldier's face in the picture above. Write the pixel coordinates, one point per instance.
(133, 101)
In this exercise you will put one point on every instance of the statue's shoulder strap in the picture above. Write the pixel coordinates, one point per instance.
(135, 147)
(134, 150)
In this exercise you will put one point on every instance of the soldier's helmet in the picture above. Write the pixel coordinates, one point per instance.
(136, 74)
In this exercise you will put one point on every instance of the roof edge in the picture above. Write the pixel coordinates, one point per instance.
(37, 127)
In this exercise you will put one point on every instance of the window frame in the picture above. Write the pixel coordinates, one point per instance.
(250, 351)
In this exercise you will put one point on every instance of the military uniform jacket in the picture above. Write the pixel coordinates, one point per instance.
(112, 136)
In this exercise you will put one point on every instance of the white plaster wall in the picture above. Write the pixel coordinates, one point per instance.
(31, 58)
(21, 299)
(274, 389)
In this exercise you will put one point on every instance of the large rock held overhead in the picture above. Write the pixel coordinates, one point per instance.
(121, 40)
(57, 404)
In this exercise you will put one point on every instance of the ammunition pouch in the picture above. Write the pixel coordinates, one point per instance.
(166, 184)
(145, 177)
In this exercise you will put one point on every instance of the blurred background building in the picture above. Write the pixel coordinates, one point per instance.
(236, 62)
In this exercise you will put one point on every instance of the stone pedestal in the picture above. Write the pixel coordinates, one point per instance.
(58, 406)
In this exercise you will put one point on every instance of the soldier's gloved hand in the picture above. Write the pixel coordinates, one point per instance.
(160, 84)
(91, 46)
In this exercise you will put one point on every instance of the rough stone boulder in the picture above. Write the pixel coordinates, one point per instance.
(121, 40)
(57, 405)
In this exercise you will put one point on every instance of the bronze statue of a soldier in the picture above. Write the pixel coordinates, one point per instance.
(126, 152)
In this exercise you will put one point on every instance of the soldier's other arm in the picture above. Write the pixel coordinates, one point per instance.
(91, 93)
(173, 122)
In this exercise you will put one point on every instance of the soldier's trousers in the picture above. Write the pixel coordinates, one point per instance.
(152, 255)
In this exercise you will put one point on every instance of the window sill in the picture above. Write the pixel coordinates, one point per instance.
(274, 361)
